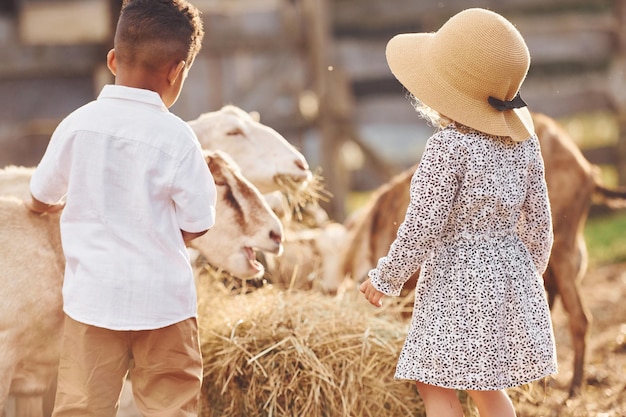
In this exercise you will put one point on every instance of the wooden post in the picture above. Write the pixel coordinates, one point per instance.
(317, 24)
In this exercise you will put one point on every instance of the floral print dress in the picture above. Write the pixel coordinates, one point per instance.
(479, 227)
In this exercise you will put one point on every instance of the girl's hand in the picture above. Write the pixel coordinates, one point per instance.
(371, 293)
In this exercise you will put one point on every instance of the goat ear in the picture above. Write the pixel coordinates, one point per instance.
(216, 170)
(255, 116)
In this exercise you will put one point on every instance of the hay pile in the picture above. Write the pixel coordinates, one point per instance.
(277, 353)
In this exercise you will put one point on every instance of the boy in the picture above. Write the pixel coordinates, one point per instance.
(136, 189)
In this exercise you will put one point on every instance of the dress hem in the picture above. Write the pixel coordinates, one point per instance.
(466, 386)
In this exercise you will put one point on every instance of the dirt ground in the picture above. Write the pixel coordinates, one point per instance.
(604, 393)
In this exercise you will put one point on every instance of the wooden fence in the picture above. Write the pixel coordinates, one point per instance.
(577, 67)
(316, 70)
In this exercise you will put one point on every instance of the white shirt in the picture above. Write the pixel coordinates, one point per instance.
(133, 175)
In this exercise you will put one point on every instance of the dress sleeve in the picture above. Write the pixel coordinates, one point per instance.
(433, 190)
(535, 227)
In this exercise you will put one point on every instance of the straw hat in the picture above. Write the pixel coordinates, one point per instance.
(470, 71)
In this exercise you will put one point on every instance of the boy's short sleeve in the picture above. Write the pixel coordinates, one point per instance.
(50, 179)
(194, 193)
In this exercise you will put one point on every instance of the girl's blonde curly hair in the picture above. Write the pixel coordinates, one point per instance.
(433, 117)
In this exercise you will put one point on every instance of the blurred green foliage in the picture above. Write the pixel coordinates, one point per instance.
(592, 130)
(606, 238)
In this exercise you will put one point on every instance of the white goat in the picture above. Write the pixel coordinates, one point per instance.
(260, 151)
(15, 181)
(310, 259)
(32, 273)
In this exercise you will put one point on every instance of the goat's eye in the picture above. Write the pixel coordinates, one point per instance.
(235, 132)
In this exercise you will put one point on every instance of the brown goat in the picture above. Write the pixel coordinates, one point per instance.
(572, 183)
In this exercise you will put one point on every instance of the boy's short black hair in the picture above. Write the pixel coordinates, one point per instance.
(153, 33)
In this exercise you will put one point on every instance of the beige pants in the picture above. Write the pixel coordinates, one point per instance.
(165, 368)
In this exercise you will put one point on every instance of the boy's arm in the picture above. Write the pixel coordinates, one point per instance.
(40, 207)
(189, 236)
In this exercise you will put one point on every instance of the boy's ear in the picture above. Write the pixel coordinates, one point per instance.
(111, 63)
(175, 71)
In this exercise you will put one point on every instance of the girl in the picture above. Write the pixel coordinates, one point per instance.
(478, 224)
